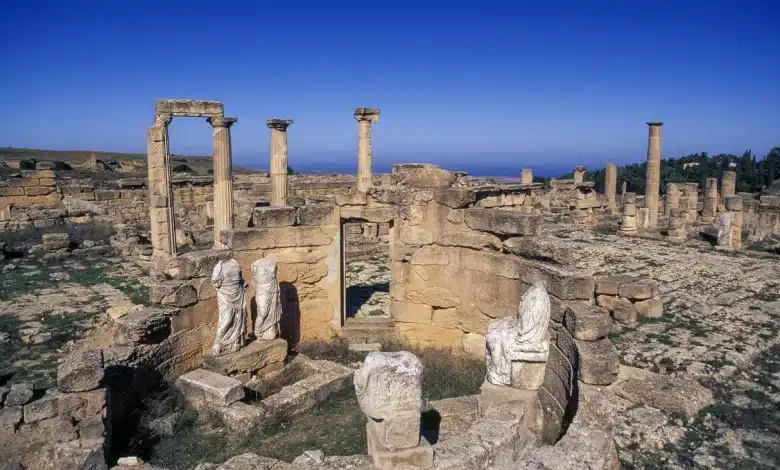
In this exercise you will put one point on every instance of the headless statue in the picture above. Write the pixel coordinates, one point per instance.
(269, 308)
(231, 326)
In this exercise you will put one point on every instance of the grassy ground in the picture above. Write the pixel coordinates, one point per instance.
(337, 426)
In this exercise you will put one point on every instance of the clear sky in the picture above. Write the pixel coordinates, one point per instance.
(489, 87)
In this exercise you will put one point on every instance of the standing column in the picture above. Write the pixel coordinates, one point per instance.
(628, 225)
(673, 193)
(610, 186)
(278, 164)
(728, 184)
(527, 177)
(365, 117)
(223, 176)
(710, 201)
(653, 176)
(579, 174)
(159, 184)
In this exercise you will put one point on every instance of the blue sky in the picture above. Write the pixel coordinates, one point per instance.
(484, 86)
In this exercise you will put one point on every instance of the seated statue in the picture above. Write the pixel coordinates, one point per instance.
(269, 308)
(231, 326)
(519, 338)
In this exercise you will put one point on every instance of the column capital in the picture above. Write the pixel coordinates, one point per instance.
(279, 124)
(655, 123)
(162, 119)
(367, 114)
(222, 121)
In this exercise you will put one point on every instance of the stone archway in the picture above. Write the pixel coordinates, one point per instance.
(161, 210)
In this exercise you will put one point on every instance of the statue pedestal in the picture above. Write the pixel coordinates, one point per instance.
(495, 395)
(257, 358)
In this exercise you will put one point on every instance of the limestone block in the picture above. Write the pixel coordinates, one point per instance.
(196, 264)
(387, 383)
(81, 405)
(424, 175)
(624, 312)
(10, 416)
(184, 296)
(598, 361)
(476, 240)
(462, 319)
(528, 375)
(498, 264)
(547, 249)
(502, 222)
(430, 255)
(394, 196)
(433, 296)
(492, 395)
(455, 198)
(240, 418)
(415, 235)
(587, 322)
(317, 215)
(608, 285)
(650, 308)
(474, 344)
(19, 394)
(43, 408)
(272, 217)
(283, 237)
(56, 241)
(638, 289)
(205, 387)
(607, 301)
(400, 431)
(580, 448)
(419, 457)
(562, 283)
(81, 372)
(677, 396)
(429, 335)
(147, 326)
(256, 356)
(408, 312)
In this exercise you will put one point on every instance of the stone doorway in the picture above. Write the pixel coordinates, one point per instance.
(365, 268)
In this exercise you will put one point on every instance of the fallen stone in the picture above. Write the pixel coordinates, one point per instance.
(145, 326)
(580, 448)
(310, 457)
(81, 372)
(240, 418)
(118, 311)
(43, 408)
(389, 382)
(205, 387)
(587, 322)
(638, 290)
(650, 308)
(680, 397)
(625, 312)
(55, 241)
(129, 462)
(10, 416)
(19, 394)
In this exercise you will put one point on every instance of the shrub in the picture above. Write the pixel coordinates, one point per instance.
(29, 164)
(62, 166)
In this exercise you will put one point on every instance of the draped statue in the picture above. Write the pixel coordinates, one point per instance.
(231, 326)
(519, 338)
(269, 307)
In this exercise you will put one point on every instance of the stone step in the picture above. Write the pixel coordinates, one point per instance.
(372, 329)
(203, 387)
(258, 357)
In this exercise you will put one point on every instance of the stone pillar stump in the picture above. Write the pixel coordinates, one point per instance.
(278, 164)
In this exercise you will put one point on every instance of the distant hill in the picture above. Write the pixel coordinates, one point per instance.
(752, 173)
(199, 164)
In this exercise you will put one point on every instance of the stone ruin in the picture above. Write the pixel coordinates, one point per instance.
(473, 267)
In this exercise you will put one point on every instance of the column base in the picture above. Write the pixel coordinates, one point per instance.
(420, 456)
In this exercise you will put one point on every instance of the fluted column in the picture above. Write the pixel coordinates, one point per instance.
(159, 185)
(610, 186)
(728, 184)
(527, 176)
(653, 175)
(365, 117)
(278, 164)
(629, 214)
(223, 176)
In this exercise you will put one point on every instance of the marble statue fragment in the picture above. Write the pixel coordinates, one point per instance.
(231, 325)
(519, 338)
(269, 307)
(388, 383)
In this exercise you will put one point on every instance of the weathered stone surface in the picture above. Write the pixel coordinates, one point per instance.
(43, 408)
(415, 235)
(597, 362)
(147, 326)
(624, 312)
(587, 322)
(455, 198)
(547, 249)
(19, 394)
(283, 237)
(240, 418)
(420, 456)
(580, 448)
(53, 242)
(248, 461)
(121, 309)
(492, 395)
(272, 217)
(434, 296)
(196, 263)
(400, 431)
(650, 308)
(81, 405)
(430, 255)
(609, 285)
(476, 240)
(389, 382)
(253, 357)
(678, 396)
(81, 372)
(424, 175)
(638, 290)
(502, 222)
(10, 416)
(317, 215)
(528, 375)
(203, 386)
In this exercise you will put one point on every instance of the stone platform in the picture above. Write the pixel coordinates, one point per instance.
(258, 357)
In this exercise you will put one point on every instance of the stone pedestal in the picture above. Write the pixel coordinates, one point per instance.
(734, 205)
(653, 175)
(610, 187)
(278, 164)
(223, 176)
(365, 117)
(526, 177)
(579, 174)
(257, 358)
(491, 395)
(628, 224)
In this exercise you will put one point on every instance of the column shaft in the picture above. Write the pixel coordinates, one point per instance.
(364, 156)
(223, 177)
(653, 175)
(610, 185)
(160, 194)
(278, 164)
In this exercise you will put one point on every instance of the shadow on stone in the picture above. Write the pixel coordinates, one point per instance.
(290, 323)
(430, 421)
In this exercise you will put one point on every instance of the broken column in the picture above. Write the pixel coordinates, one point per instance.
(689, 201)
(673, 194)
(628, 224)
(223, 176)
(678, 229)
(710, 201)
(365, 117)
(653, 175)
(517, 352)
(728, 184)
(734, 207)
(389, 391)
(579, 174)
(159, 184)
(278, 163)
(610, 186)
(527, 176)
